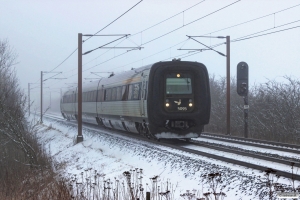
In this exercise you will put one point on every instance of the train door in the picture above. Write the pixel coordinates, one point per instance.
(143, 94)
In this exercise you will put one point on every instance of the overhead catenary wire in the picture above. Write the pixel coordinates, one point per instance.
(242, 23)
(189, 54)
(239, 24)
(186, 24)
(246, 38)
(140, 32)
(167, 18)
(113, 20)
(248, 35)
(172, 30)
(191, 22)
(197, 52)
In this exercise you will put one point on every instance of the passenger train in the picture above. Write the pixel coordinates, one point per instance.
(162, 100)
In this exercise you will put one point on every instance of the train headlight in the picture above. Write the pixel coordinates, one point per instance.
(178, 75)
(190, 103)
(167, 104)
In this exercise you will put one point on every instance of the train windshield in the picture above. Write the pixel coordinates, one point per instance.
(178, 83)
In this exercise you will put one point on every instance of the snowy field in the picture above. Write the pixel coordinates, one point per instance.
(111, 155)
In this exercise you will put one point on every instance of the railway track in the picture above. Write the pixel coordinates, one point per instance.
(254, 142)
(241, 163)
(182, 147)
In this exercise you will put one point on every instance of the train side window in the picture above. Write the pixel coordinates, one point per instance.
(119, 93)
(84, 97)
(130, 91)
(99, 97)
(108, 94)
(90, 96)
(114, 94)
(146, 90)
(88, 99)
(136, 91)
(124, 92)
(95, 96)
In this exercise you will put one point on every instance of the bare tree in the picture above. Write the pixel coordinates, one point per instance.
(274, 112)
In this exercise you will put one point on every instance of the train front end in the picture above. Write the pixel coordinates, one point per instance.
(178, 99)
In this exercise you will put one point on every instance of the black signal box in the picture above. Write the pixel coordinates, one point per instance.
(242, 77)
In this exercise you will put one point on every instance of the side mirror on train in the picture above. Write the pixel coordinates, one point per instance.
(242, 79)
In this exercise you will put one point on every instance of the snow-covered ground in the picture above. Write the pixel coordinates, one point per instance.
(111, 155)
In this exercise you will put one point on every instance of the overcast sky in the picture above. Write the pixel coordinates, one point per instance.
(44, 33)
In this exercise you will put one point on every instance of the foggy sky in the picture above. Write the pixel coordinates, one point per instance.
(44, 33)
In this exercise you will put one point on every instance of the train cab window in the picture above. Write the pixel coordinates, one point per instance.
(178, 83)
(114, 94)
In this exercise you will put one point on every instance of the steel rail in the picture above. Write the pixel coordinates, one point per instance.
(252, 140)
(233, 161)
(253, 155)
(258, 143)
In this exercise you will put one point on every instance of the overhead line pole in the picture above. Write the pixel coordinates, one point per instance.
(228, 83)
(28, 99)
(79, 114)
(41, 97)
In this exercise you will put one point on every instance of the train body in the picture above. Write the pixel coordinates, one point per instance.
(162, 100)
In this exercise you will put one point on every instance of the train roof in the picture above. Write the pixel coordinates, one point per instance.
(123, 77)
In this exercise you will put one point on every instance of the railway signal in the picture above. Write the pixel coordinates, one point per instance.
(242, 78)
